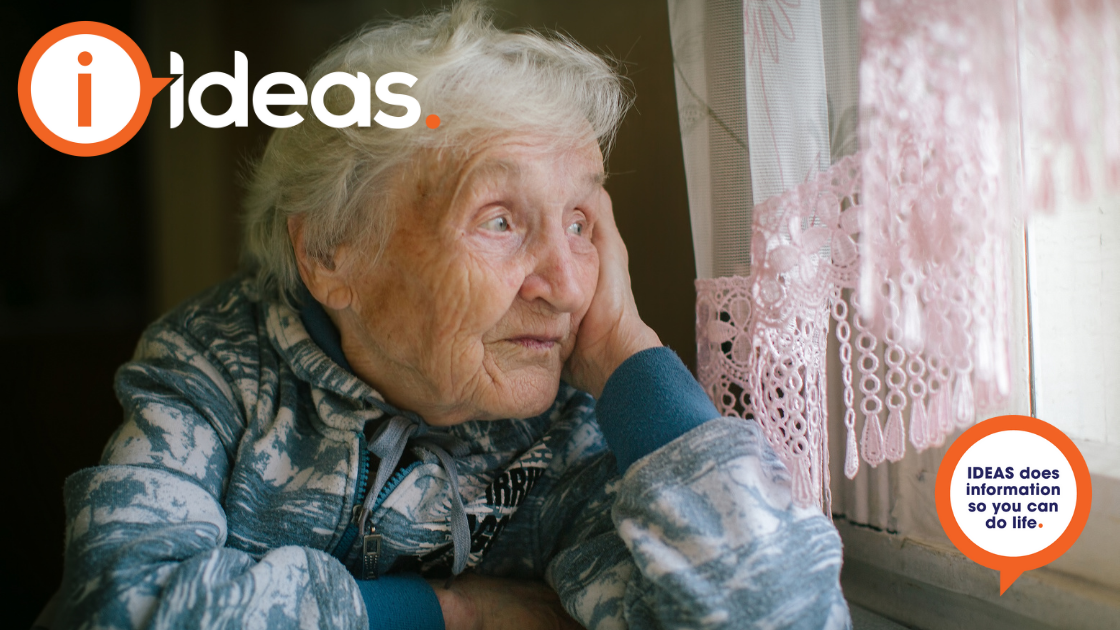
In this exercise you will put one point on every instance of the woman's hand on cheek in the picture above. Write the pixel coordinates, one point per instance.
(611, 331)
(475, 602)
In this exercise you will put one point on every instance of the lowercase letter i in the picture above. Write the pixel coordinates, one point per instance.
(85, 92)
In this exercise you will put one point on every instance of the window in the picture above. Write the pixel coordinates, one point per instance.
(1066, 362)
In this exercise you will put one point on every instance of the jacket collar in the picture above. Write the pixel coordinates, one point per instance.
(355, 402)
(321, 329)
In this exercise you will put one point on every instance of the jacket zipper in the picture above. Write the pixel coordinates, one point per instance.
(348, 536)
(371, 541)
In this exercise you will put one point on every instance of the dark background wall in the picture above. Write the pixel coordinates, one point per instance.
(94, 248)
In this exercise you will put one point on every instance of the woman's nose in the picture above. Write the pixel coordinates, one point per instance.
(556, 276)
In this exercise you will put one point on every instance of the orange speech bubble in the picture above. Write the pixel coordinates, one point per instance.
(149, 87)
(1012, 566)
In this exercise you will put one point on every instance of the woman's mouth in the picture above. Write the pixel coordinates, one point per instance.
(534, 342)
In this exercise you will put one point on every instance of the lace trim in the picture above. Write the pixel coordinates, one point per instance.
(762, 339)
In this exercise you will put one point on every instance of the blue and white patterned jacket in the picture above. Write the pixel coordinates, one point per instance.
(224, 500)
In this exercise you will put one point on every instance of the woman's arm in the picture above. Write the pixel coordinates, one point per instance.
(147, 531)
(701, 533)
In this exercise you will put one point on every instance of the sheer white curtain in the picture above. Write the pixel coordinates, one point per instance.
(858, 173)
(768, 99)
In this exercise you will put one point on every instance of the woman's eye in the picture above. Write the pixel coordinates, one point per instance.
(576, 229)
(497, 224)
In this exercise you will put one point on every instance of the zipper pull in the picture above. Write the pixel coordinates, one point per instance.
(371, 554)
(371, 545)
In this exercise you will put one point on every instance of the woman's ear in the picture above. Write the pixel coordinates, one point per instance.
(325, 279)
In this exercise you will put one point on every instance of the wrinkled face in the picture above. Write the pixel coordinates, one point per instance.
(472, 308)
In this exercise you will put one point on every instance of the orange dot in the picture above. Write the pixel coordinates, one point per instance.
(85, 58)
(432, 121)
(1040, 524)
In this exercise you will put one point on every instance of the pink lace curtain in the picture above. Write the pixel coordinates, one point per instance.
(861, 170)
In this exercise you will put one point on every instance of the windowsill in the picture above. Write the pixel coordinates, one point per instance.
(1096, 554)
(864, 619)
(934, 586)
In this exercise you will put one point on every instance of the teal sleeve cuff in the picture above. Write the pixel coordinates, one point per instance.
(401, 602)
(649, 401)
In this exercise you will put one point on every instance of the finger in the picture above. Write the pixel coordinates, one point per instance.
(606, 207)
(605, 225)
(607, 239)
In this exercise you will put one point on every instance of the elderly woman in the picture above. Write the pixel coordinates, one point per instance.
(433, 367)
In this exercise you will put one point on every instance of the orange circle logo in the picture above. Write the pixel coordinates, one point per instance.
(1013, 494)
(85, 88)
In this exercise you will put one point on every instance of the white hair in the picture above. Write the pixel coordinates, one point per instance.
(483, 83)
